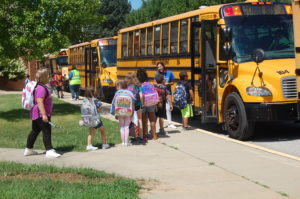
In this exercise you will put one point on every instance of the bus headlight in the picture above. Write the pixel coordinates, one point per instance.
(258, 91)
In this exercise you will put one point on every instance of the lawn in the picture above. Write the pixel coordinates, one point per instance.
(21, 181)
(15, 125)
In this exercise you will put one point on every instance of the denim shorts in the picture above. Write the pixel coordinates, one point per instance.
(98, 125)
(149, 109)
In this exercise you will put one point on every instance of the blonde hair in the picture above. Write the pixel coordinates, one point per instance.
(121, 84)
(41, 75)
(132, 79)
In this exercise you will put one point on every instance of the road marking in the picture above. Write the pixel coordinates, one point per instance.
(250, 145)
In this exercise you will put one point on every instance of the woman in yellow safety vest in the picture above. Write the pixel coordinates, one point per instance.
(75, 83)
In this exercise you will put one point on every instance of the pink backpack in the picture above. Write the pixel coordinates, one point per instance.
(149, 94)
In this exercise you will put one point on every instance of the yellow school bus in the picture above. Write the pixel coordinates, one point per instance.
(96, 62)
(239, 58)
(296, 17)
(49, 62)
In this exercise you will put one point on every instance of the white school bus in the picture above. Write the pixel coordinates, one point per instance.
(239, 57)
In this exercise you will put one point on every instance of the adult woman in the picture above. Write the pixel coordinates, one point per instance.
(41, 115)
(169, 81)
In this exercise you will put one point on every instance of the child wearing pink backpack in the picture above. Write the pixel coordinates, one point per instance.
(149, 99)
(123, 108)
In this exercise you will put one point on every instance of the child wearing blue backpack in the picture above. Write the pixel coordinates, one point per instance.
(184, 99)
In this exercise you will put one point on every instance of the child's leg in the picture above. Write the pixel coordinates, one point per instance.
(145, 125)
(122, 131)
(140, 122)
(90, 136)
(126, 128)
(152, 124)
(161, 122)
(103, 137)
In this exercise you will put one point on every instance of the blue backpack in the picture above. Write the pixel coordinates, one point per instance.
(180, 100)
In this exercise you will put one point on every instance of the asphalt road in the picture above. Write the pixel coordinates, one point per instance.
(282, 137)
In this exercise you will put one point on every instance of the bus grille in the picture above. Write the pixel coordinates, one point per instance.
(289, 87)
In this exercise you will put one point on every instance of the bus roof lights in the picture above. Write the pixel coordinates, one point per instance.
(288, 9)
(103, 42)
(232, 11)
(268, 3)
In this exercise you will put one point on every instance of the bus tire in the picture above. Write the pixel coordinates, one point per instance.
(236, 123)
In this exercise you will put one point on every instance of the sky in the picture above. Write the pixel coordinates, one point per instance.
(135, 4)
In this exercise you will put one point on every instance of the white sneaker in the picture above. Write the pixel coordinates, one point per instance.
(128, 144)
(172, 126)
(52, 154)
(73, 99)
(105, 146)
(28, 152)
(91, 148)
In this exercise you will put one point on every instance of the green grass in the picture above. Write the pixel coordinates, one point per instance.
(21, 181)
(15, 126)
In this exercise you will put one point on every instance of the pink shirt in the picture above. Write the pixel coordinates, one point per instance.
(40, 92)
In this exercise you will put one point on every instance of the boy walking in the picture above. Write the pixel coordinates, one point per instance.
(184, 92)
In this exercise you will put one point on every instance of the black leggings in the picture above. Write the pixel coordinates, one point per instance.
(39, 125)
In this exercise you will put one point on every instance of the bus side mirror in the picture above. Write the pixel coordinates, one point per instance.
(226, 53)
(258, 55)
(226, 34)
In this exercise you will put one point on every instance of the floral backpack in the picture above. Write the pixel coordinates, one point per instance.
(123, 104)
(28, 95)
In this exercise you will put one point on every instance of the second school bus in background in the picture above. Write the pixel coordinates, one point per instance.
(96, 62)
(239, 58)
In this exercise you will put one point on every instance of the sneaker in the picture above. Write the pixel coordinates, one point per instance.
(73, 99)
(172, 126)
(28, 152)
(105, 146)
(52, 154)
(128, 144)
(186, 128)
(162, 132)
(91, 148)
(140, 140)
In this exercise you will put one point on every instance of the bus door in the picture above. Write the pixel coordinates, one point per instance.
(208, 81)
(90, 66)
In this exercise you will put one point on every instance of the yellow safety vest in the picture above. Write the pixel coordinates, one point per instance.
(75, 80)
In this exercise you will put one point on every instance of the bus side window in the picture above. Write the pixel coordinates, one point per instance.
(165, 39)
(149, 41)
(174, 37)
(183, 36)
(157, 40)
(143, 44)
(136, 43)
(124, 45)
(130, 44)
(196, 36)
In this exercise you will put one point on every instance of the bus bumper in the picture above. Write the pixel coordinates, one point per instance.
(271, 112)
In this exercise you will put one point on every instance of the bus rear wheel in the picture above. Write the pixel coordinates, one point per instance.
(236, 123)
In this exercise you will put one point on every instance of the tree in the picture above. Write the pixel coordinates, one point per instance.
(34, 28)
(114, 12)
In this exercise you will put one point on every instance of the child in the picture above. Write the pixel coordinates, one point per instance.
(134, 86)
(148, 111)
(89, 95)
(164, 95)
(123, 108)
(186, 112)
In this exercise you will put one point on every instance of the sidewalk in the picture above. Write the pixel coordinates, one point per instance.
(188, 165)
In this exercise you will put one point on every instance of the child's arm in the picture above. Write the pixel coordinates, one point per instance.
(192, 96)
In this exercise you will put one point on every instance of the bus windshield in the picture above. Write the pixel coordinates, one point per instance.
(108, 55)
(272, 33)
(62, 61)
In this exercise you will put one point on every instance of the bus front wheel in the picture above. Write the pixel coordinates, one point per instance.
(236, 123)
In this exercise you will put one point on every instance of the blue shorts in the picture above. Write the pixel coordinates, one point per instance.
(98, 125)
